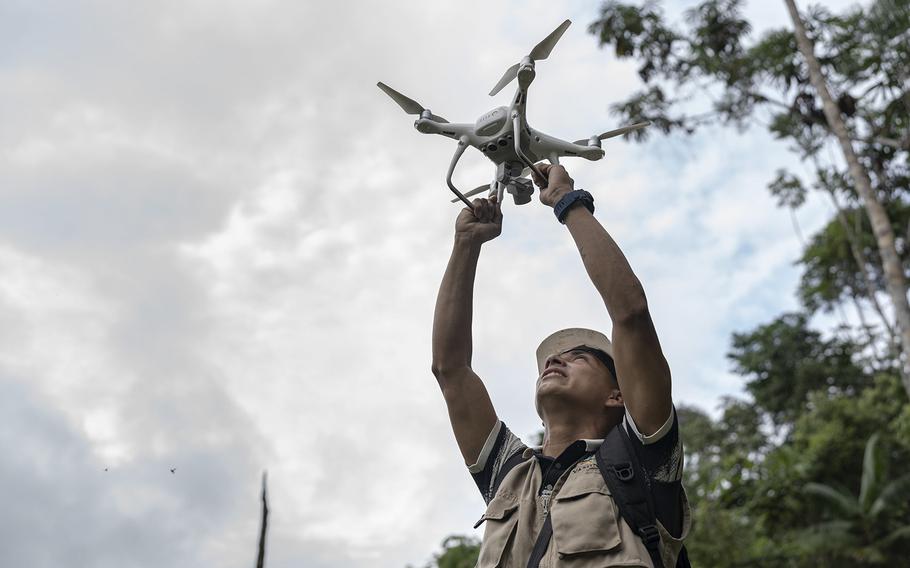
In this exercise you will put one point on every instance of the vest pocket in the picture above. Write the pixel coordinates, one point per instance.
(585, 521)
(501, 522)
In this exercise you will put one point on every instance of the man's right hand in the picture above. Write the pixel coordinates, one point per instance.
(556, 186)
(482, 223)
(470, 410)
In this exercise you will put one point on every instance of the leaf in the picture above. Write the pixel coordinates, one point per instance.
(891, 495)
(895, 535)
(873, 469)
(788, 190)
(842, 501)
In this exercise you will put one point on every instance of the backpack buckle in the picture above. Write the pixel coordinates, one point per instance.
(649, 535)
(623, 470)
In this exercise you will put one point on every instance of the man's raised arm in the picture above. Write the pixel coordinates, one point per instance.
(470, 409)
(641, 369)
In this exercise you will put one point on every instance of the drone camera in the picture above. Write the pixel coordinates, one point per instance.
(521, 190)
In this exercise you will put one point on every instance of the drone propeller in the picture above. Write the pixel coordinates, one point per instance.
(474, 191)
(540, 52)
(410, 106)
(612, 133)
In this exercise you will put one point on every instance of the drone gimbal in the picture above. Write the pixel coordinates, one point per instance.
(503, 134)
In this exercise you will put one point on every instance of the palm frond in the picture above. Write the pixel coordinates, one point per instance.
(895, 535)
(892, 493)
(842, 501)
(829, 536)
(872, 471)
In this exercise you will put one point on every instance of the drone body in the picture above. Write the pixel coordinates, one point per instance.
(503, 134)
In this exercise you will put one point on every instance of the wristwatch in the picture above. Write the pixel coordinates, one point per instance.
(568, 200)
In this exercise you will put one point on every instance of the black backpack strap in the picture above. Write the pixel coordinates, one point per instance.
(620, 467)
(682, 561)
(546, 532)
(508, 466)
(540, 545)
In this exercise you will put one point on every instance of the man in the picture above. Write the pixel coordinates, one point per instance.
(586, 386)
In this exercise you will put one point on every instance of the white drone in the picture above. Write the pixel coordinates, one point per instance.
(503, 134)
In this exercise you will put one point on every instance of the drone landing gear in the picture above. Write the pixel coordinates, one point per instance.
(462, 146)
(516, 136)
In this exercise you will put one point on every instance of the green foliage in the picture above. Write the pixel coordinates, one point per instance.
(864, 55)
(831, 274)
(457, 552)
(784, 361)
(746, 483)
(637, 31)
(721, 458)
(652, 105)
(716, 40)
(868, 529)
(723, 537)
(860, 49)
(826, 445)
(789, 191)
(811, 410)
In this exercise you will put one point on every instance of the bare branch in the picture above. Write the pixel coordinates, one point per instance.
(265, 520)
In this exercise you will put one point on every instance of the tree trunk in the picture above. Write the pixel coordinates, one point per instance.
(881, 225)
(869, 285)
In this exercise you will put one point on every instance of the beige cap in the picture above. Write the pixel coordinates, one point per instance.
(566, 339)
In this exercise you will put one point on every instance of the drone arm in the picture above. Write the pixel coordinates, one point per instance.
(554, 148)
(447, 129)
(462, 146)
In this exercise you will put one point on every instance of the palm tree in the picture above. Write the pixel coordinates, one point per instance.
(865, 529)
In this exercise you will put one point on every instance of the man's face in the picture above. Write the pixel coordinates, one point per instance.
(576, 377)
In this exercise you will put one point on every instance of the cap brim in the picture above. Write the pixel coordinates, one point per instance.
(566, 339)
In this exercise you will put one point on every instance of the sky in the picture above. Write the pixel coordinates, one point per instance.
(220, 246)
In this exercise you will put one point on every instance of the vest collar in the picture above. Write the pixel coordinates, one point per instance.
(590, 446)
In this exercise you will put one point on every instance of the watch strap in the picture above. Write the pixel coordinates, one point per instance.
(568, 200)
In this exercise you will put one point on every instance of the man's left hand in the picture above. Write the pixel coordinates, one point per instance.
(558, 183)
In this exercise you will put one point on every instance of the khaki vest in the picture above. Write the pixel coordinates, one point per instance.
(588, 531)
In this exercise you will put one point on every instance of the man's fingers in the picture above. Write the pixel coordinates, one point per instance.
(478, 207)
(558, 174)
(482, 209)
(487, 210)
(545, 170)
